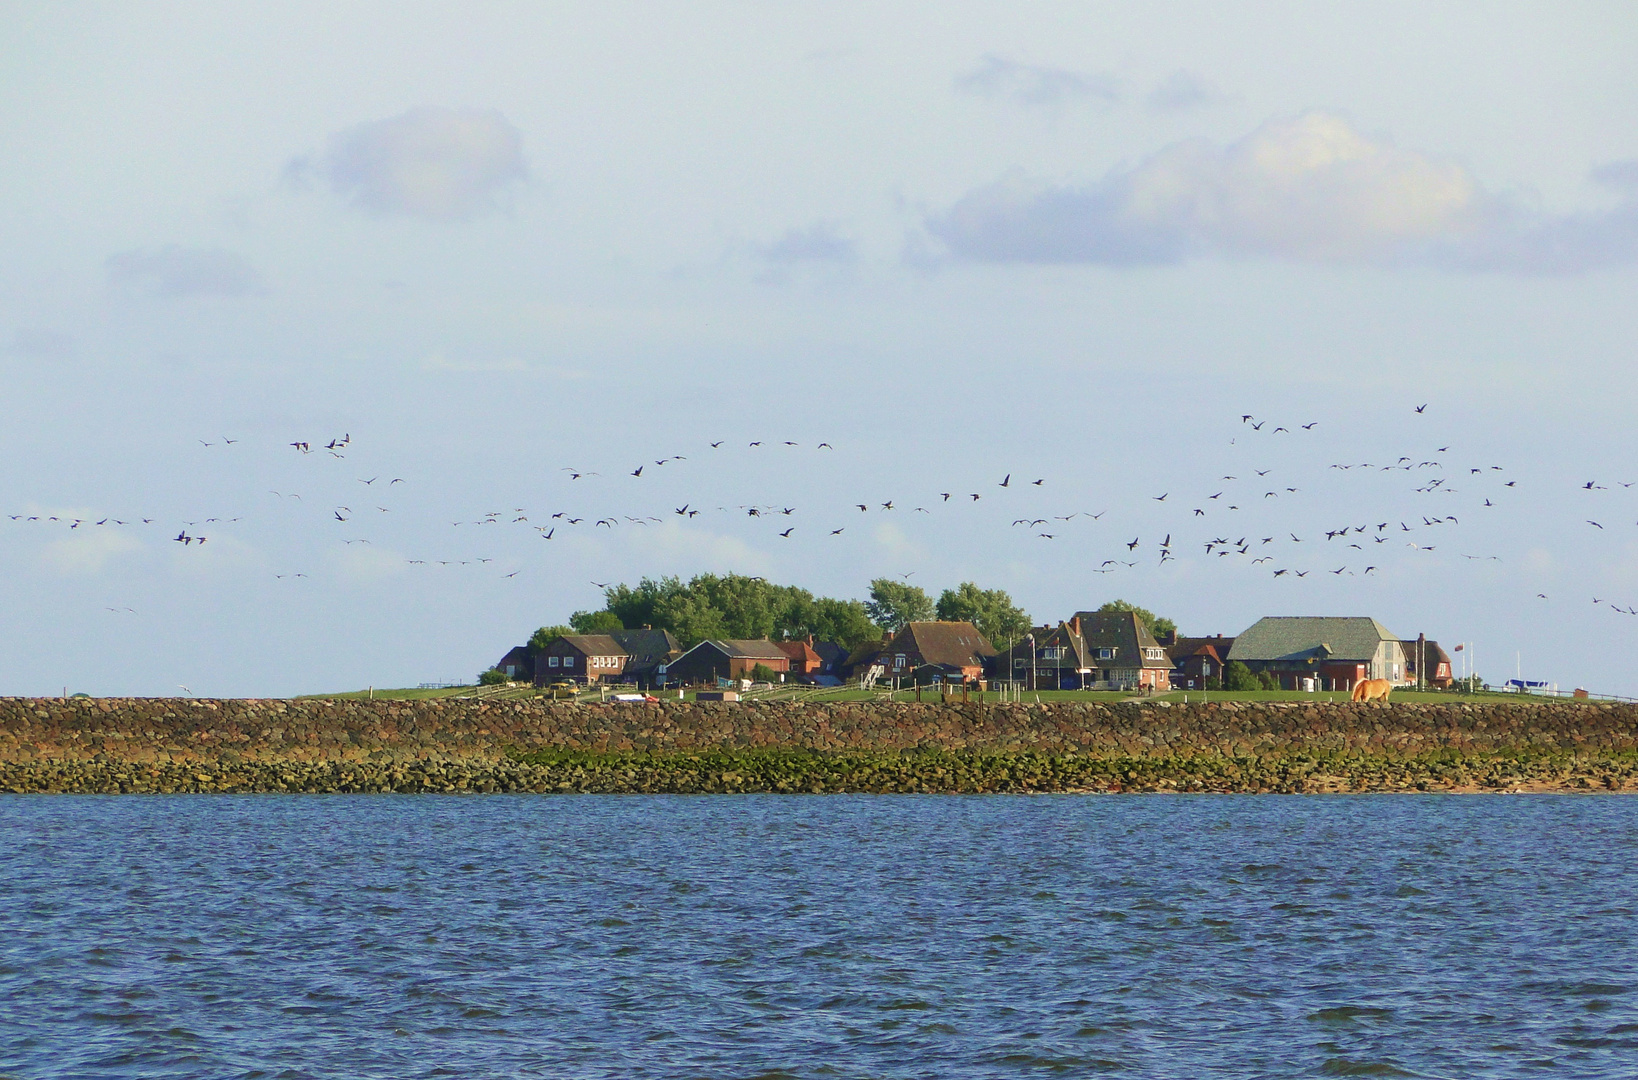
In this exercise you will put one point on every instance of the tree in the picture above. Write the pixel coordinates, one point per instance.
(990, 610)
(894, 603)
(595, 622)
(541, 639)
(846, 622)
(764, 673)
(1236, 676)
(1269, 680)
(493, 677)
(1157, 625)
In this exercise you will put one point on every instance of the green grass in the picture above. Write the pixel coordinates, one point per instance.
(821, 695)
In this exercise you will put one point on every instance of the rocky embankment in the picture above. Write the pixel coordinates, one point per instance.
(455, 745)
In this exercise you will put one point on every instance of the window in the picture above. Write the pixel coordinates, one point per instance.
(1106, 654)
(551, 661)
(1052, 652)
(1019, 662)
(1152, 654)
(568, 661)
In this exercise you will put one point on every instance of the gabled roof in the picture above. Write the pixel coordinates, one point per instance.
(593, 644)
(646, 646)
(517, 656)
(1184, 647)
(1434, 653)
(741, 649)
(799, 650)
(1123, 632)
(830, 652)
(1301, 637)
(957, 644)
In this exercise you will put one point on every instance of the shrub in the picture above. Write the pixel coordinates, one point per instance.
(493, 677)
(1236, 676)
(1269, 680)
(1212, 683)
(764, 673)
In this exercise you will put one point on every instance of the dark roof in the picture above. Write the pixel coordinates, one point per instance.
(752, 649)
(593, 644)
(958, 644)
(830, 652)
(1297, 637)
(1123, 632)
(517, 656)
(646, 646)
(1184, 647)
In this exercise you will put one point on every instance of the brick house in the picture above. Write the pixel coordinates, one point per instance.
(586, 658)
(1439, 671)
(1196, 659)
(1336, 652)
(1094, 650)
(709, 661)
(805, 659)
(954, 650)
(518, 663)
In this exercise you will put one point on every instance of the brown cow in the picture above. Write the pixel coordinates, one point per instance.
(1371, 689)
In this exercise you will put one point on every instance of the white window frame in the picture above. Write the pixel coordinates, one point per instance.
(551, 661)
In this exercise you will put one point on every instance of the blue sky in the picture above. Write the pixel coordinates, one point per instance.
(499, 244)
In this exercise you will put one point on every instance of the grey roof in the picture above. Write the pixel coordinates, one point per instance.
(953, 644)
(762, 649)
(1297, 637)
(646, 646)
(593, 644)
(1185, 647)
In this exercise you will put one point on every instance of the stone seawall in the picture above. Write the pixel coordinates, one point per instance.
(141, 744)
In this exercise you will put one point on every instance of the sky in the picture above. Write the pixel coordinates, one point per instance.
(503, 255)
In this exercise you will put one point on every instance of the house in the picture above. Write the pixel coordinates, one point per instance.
(1049, 658)
(709, 661)
(586, 658)
(1196, 659)
(955, 650)
(517, 664)
(1094, 650)
(805, 659)
(832, 656)
(1433, 658)
(864, 662)
(647, 650)
(1336, 652)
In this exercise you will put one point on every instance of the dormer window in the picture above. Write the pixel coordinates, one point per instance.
(1106, 654)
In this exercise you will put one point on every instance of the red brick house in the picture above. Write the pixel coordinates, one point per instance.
(1438, 662)
(1094, 650)
(955, 649)
(1196, 659)
(805, 659)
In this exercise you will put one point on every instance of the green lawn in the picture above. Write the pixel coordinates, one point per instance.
(816, 695)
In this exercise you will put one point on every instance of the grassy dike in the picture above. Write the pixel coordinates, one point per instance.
(808, 772)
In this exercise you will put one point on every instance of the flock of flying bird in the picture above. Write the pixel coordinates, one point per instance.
(1232, 524)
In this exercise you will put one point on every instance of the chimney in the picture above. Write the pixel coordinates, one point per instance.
(1075, 625)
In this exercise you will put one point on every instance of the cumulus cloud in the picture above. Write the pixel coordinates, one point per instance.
(1032, 84)
(173, 271)
(1310, 188)
(441, 164)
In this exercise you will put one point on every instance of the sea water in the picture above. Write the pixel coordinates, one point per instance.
(818, 936)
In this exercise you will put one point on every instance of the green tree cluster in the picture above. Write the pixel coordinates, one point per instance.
(990, 610)
(1236, 676)
(1158, 625)
(892, 604)
(735, 606)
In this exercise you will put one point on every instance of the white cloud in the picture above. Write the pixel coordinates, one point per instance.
(442, 164)
(893, 541)
(173, 271)
(87, 550)
(1032, 84)
(1310, 188)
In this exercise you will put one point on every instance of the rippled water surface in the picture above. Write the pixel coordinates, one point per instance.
(835, 936)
